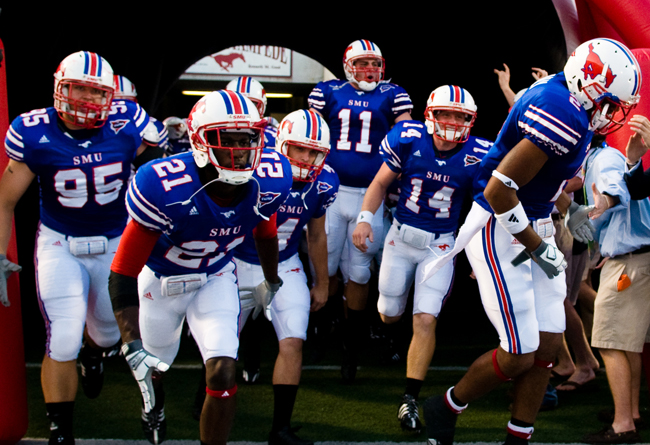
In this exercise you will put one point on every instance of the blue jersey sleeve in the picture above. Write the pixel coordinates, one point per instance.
(327, 188)
(316, 98)
(145, 198)
(402, 102)
(552, 119)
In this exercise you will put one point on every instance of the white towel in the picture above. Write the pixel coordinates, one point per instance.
(476, 219)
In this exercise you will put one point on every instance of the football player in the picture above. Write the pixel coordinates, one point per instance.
(304, 138)
(156, 135)
(81, 151)
(435, 176)
(188, 213)
(541, 145)
(252, 89)
(359, 111)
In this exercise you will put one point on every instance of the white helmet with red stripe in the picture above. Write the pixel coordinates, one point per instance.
(450, 98)
(124, 89)
(308, 131)
(225, 129)
(251, 89)
(80, 71)
(363, 64)
(604, 76)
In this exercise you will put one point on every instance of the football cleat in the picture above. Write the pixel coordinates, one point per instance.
(92, 371)
(440, 420)
(154, 424)
(287, 436)
(60, 437)
(409, 415)
(251, 376)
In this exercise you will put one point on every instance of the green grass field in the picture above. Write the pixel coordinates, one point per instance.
(326, 410)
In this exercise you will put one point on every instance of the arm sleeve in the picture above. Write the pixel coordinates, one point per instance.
(133, 252)
(266, 229)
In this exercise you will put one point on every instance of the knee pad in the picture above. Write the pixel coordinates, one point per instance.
(389, 306)
(64, 342)
(359, 274)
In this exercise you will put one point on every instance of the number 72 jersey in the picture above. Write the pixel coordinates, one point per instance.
(358, 121)
(432, 186)
(82, 180)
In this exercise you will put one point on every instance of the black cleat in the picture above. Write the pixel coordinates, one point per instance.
(92, 371)
(409, 415)
(60, 437)
(287, 436)
(154, 424)
(251, 376)
(440, 420)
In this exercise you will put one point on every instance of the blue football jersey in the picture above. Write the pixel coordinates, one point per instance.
(358, 121)
(433, 184)
(82, 181)
(305, 201)
(198, 235)
(553, 119)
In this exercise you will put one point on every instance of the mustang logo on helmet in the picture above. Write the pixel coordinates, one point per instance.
(594, 67)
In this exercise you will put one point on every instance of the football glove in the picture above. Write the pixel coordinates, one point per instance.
(142, 365)
(263, 294)
(577, 221)
(6, 269)
(548, 257)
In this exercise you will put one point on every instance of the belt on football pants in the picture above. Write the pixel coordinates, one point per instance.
(434, 235)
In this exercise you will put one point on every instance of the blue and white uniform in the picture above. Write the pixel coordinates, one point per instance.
(290, 307)
(522, 301)
(82, 181)
(358, 121)
(196, 248)
(433, 186)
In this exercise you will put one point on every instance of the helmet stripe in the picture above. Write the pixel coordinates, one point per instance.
(247, 85)
(234, 102)
(310, 125)
(632, 59)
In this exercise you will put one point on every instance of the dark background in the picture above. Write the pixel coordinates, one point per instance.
(424, 47)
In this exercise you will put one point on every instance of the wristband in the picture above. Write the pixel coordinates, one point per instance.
(365, 216)
(514, 220)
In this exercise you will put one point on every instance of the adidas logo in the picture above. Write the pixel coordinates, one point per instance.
(417, 153)
(509, 184)
(148, 295)
(58, 243)
(43, 140)
(194, 211)
(225, 394)
(513, 219)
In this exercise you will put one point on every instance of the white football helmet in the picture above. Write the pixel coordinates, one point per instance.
(176, 127)
(307, 129)
(83, 69)
(124, 89)
(370, 76)
(213, 117)
(450, 98)
(604, 76)
(250, 88)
